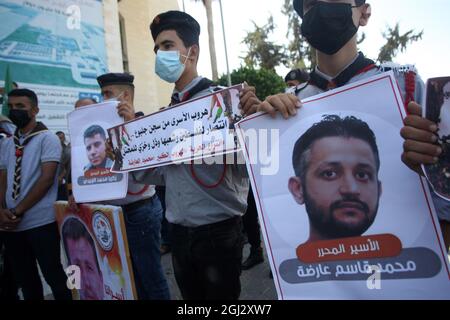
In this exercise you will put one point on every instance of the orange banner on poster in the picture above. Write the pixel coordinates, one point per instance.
(357, 248)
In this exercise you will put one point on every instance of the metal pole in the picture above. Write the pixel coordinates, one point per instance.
(225, 44)
(184, 9)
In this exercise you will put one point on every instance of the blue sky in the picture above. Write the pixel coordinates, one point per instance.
(430, 55)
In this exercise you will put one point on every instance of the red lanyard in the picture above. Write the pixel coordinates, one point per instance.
(204, 185)
(141, 192)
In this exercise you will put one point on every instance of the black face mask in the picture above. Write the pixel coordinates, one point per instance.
(329, 26)
(19, 117)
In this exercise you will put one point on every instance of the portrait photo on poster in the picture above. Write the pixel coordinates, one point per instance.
(97, 169)
(437, 109)
(81, 250)
(94, 244)
(92, 158)
(336, 181)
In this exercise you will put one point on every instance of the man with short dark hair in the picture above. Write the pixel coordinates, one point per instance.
(28, 186)
(336, 163)
(81, 251)
(95, 142)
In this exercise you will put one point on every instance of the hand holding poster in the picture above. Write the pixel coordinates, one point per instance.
(95, 244)
(437, 109)
(91, 166)
(188, 131)
(344, 218)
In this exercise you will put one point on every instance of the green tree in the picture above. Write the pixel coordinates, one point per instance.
(396, 42)
(300, 53)
(263, 53)
(212, 42)
(266, 82)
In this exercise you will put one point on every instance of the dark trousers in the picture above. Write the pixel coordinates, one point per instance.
(41, 244)
(207, 260)
(251, 223)
(8, 288)
(143, 225)
(165, 225)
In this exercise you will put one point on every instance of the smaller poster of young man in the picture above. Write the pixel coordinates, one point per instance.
(92, 179)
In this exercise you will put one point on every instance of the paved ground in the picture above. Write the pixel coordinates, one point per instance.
(256, 283)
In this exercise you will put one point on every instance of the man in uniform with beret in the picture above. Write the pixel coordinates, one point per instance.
(296, 77)
(331, 28)
(141, 207)
(204, 203)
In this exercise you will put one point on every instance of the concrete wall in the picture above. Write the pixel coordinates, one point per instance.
(112, 35)
(151, 92)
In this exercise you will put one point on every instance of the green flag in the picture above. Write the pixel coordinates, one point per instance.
(8, 87)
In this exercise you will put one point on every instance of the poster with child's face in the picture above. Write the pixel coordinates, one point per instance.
(96, 249)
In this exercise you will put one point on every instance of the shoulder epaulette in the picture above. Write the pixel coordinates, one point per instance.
(397, 68)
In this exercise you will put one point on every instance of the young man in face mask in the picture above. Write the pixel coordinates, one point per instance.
(28, 188)
(331, 28)
(204, 203)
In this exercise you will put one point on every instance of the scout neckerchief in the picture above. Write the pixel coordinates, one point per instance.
(200, 86)
(203, 84)
(40, 128)
(360, 65)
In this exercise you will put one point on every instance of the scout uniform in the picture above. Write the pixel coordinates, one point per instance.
(204, 202)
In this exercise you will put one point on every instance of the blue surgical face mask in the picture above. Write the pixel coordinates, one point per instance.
(168, 65)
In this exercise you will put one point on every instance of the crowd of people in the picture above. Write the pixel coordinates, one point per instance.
(197, 212)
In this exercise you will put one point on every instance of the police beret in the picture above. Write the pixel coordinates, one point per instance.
(298, 7)
(297, 74)
(174, 20)
(115, 79)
